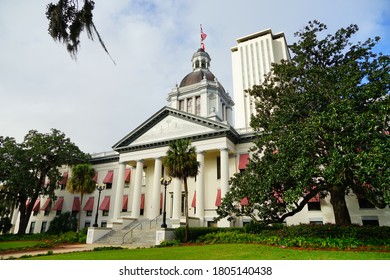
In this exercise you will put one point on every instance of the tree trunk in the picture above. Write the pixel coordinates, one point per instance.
(186, 208)
(340, 209)
(79, 213)
(25, 213)
(23, 221)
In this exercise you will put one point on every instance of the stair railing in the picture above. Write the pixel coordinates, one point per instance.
(131, 231)
(155, 219)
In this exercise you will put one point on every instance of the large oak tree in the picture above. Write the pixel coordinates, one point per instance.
(322, 127)
(31, 168)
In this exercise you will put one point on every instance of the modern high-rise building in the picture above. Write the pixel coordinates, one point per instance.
(252, 58)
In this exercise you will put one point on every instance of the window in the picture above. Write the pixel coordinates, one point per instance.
(316, 222)
(314, 206)
(365, 204)
(197, 105)
(108, 179)
(212, 224)
(87, 224)
(35, 213)
(43, 226)
(181, 105)
(103, 224)
(243, 162)
(183, 203)
(106, 212)
(89, 213)
(46, 207)
(124, 203)
(58, 212)
(142, 205)
(189, 105)
(127, 177)
(218, 168)
(370, 221)
(32, 226)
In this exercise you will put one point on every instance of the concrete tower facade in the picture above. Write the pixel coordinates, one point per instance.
(251, 60)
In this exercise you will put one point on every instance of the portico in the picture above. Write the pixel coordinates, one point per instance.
(147, 170)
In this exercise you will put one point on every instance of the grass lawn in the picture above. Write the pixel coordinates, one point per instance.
(220, 252)
(7, 245)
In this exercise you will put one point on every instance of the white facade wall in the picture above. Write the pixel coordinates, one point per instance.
(211, 186)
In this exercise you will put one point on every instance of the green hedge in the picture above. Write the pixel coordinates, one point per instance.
(314, 236)
(195, 232)
(51, 239)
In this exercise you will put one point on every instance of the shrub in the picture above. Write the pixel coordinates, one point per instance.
(313, 236)
(195, 232)
(169, 243)
(63, 223)
(5, 225)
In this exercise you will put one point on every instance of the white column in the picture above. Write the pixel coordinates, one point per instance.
(119, 191)
(200, 188)
(224, 172)
(156, 189)
(224, 181)
(135, 210)
(176, 199)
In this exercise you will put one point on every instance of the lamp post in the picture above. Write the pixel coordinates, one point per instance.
(165, 183)
(99, 188)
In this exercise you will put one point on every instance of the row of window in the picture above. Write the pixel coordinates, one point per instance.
(190, 108)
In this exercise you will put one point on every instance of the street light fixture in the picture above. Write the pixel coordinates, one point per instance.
(165, 183)
(99, 188)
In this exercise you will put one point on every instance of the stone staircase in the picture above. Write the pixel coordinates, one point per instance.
(140, 233)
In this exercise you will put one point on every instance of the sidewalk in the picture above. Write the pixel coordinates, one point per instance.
(58, 250)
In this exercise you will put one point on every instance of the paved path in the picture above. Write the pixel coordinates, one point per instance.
(61, 249)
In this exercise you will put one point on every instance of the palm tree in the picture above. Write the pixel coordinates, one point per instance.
(181, 163)
(82, 182)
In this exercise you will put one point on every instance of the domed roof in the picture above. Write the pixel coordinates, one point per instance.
(197, 76)
(200, 63)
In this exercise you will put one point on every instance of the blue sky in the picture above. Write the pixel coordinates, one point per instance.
(95, 102)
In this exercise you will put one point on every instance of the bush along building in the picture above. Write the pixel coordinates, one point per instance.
(200, 109)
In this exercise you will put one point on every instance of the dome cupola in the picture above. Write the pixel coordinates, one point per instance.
(200, 93)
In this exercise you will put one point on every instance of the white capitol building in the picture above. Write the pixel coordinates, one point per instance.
(199, 108)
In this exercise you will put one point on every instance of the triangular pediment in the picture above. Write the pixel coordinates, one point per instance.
(169, 124)
(171, 127)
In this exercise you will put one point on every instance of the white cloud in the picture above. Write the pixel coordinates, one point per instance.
(97, 103)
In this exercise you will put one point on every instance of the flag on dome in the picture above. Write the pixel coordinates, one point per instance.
(202, 34)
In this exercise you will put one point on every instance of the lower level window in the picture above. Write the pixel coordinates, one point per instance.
(43, 227)
(370, 221)
(105, 212)
(32, 226)
(316, 222)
